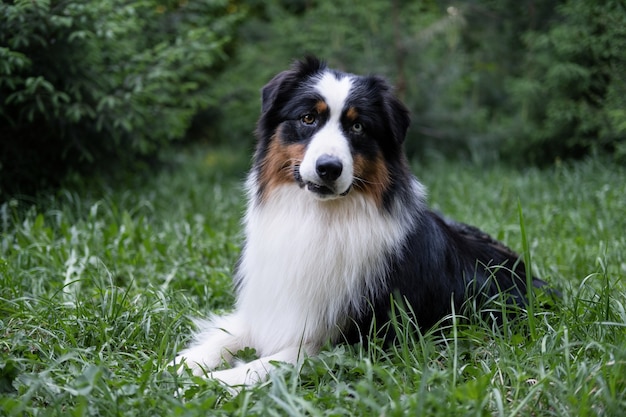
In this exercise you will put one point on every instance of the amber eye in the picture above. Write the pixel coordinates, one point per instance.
(308, 119)
(357, 128)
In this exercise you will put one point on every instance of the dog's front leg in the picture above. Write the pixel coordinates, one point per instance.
(215, 343)
(257, 371)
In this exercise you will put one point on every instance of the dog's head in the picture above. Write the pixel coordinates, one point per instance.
(330, 132)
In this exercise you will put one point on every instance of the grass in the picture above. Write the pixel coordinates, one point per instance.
(98, 281)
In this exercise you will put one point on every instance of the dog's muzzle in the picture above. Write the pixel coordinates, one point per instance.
(328, 169)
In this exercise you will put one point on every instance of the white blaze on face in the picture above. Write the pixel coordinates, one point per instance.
(330, 140)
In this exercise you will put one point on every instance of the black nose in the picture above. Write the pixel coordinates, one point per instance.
(328, 167)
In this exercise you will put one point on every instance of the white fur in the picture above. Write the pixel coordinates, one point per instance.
(334, 90)
(306, 262)
(330, 140)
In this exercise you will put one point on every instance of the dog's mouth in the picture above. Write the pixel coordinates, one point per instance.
(320, 190)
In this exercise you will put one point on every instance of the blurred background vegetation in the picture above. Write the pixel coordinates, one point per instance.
(88, 85)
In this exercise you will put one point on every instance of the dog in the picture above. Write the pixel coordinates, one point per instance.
(337, 228)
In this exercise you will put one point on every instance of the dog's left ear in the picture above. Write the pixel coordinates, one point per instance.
(398, 116)
(396, 113)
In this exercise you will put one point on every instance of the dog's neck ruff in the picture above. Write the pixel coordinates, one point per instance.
(307, 264)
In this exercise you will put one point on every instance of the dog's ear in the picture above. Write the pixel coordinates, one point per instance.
(271, 89)
(398, 116)
(288, 80)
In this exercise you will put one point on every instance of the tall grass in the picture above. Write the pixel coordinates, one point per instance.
(98, 281)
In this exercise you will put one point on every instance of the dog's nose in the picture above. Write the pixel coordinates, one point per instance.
(328, 167)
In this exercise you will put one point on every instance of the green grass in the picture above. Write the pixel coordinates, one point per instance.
(98, 281)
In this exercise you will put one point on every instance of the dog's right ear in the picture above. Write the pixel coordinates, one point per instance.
(272, 88)
(288, 80)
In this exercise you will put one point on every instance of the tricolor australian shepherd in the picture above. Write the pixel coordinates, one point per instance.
(337, 227)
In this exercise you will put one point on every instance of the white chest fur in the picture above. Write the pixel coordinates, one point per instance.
(307, 262)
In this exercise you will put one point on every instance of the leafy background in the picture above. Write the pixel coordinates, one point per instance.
(88, 84)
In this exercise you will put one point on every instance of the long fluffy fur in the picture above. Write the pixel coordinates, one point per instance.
(336, 226)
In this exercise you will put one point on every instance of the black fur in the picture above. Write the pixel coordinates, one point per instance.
(442, 266)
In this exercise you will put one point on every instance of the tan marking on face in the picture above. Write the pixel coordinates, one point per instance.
(352, 114)
(371, 177)
(321, 107)
(277, 167)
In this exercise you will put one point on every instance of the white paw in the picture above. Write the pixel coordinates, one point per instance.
(181, 363)
(232, 380)
(239, 377)
(201, 359)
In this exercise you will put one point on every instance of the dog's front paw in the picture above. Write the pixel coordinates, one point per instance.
(200, 360)
(181, 363)
(238, 377)
(232, 380)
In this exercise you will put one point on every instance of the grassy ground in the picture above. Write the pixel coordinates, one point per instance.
(98, 280)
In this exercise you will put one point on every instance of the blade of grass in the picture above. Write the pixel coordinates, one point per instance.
(530, 294)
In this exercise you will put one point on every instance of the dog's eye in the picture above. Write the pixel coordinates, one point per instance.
(357, 128)
(308, 119)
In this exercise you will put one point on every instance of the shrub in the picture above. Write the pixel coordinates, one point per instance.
(85, 82)
(572, 94)
(535, 81)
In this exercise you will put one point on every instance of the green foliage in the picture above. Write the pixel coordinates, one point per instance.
(534, 81)
(84, 82)
(353, 36)
(572, 93)
(419, 46)
(98, 281)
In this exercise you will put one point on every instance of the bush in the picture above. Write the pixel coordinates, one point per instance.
(571, 97)
(85, 82)
(352, 36)
(533, 81)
